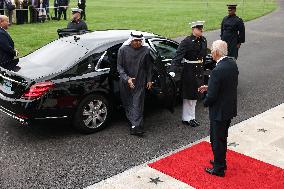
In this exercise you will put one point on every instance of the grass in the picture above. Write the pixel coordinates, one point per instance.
(169, 18)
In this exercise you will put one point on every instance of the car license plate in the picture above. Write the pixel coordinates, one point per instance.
(7, 86)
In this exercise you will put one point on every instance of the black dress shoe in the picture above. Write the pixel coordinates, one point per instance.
(211, 171)
(193, 123)
(136, 131)
(212, 162)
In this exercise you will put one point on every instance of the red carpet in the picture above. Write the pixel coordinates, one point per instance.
(243, 171)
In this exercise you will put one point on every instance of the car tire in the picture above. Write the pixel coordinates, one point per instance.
(92, 114)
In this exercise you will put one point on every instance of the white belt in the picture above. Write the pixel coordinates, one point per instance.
(193, 61)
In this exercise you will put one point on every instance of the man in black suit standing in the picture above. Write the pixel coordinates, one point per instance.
(1, 7)
(221, 98)
(82, 6)
(63, 6)
(7, 51)
(34, 4)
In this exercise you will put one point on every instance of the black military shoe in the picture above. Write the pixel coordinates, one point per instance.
(193, 123)
(136, 131)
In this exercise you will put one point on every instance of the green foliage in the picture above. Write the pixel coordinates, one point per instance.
(169, 18)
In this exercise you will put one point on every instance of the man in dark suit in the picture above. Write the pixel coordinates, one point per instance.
(221, 98)
(1, 7)
(82, 6)
(7, 51)
(34, 4)
(63, 5)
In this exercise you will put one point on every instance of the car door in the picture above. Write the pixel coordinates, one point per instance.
(164, 86)
(111, 59)
(87, 76)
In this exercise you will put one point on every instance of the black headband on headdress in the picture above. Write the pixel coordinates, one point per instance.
(136, 36)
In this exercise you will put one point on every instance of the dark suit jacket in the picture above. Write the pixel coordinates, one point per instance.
(221, 96)
(7, 51)
(83, 2)
(63, 2)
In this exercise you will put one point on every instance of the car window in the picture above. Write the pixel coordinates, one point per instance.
(166, 49)
(112, 53)
(104, 62)
(51, 58)
(87, 65)
(110, 58)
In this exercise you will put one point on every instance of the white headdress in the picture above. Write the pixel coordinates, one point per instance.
(135, 35)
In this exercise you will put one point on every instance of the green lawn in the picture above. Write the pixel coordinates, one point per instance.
(169, 18)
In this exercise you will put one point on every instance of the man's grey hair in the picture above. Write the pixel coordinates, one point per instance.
(221, 47)
(2, 18)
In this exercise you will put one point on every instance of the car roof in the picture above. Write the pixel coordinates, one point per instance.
(99, 41)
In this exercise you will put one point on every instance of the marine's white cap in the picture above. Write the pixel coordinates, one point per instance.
(196, 24)
(74, 10)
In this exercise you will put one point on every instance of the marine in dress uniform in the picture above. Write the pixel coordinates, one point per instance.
(76, 22)
(192, 51)
(233, 31)
(134, 65)
(221, 98)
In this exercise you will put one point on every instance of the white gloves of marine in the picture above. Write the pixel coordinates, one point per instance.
(172, 74)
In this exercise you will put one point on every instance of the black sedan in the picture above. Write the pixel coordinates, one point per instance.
(75, 78)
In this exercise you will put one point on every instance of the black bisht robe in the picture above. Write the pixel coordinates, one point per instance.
(134, 63)
(233, 32)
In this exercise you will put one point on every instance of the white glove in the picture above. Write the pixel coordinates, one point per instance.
(172, 74)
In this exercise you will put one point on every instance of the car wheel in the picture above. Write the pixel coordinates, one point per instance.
(92, 114)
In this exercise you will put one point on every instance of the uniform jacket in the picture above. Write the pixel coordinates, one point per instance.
(233, 32)
(221, 95)
(233, 29)
(7, 51)
(78, 25)
(192, 49)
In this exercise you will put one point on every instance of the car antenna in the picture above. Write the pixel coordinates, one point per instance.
(76, 38)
